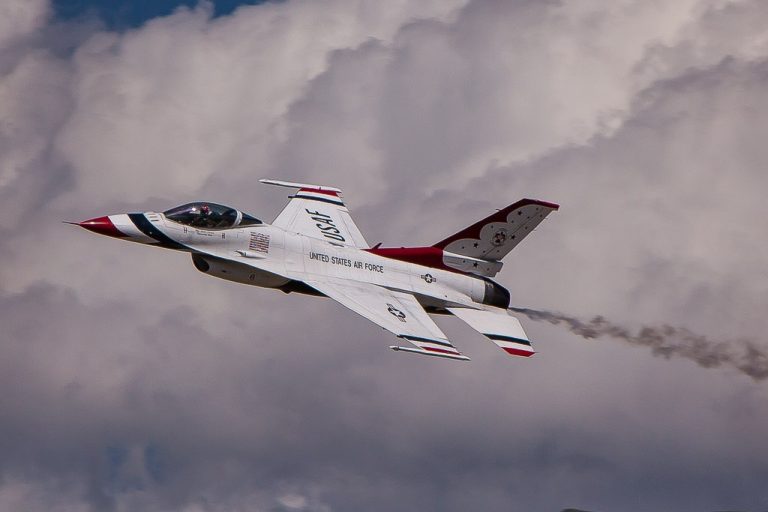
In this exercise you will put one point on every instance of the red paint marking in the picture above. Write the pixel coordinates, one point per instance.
(426, 256)
(456, 353)
(473, 231)
(102, 226)
(518, 352)
(554, 206)
(319, 191)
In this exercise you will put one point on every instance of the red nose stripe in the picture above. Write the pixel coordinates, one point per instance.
(102, 226)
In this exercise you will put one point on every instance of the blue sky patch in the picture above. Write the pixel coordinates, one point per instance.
(123, 14)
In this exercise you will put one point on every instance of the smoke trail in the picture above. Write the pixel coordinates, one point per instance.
(668, 341)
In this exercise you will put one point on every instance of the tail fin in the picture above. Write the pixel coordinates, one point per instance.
(496, 235)
(479, 248)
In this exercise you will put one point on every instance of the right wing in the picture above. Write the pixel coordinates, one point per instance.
(318, 212)
(399, 313)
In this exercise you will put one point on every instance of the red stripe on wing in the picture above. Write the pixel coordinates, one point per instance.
(440, 350)
(320, 191)
(518, 352)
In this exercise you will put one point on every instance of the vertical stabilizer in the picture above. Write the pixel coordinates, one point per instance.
(496, 235)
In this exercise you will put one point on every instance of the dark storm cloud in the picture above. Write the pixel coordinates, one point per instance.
(133, 382)
(147, 412)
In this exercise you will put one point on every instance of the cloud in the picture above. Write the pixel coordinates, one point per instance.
(132, 381)
(19, 18)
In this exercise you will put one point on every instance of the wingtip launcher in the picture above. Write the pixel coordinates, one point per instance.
(291, 184)
(459, 357)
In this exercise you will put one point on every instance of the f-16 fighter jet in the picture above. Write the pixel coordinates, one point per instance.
(314, 247)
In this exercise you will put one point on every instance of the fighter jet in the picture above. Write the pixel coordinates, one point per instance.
(314, 247)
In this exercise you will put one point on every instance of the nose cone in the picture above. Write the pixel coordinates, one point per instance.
(102, 226)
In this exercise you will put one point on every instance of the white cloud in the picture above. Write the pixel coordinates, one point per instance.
(293, 501)
(17, 494)
(646, 120)
(187, 97)
(18, 18)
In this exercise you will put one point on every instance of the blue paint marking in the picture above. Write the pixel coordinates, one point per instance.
(146, 227)
(500, 337)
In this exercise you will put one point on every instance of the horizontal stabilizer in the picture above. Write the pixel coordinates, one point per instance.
(498, 326)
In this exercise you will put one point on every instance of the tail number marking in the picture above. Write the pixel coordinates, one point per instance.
(326, 226)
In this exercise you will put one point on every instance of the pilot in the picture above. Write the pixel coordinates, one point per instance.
(206, 219)
(202, 216)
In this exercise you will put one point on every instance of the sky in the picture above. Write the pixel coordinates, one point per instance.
(131, 381)
(125, 14)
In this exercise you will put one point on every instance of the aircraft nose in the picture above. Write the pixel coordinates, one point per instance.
(102, 226)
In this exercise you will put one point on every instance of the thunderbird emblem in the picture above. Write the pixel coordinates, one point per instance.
(499, 237)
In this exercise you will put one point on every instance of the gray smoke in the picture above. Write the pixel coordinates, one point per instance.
(667, 341)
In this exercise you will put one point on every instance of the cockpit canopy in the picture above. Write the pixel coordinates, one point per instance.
(210, 216)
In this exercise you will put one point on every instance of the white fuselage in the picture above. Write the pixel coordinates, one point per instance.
(314, 247)
(268, 256)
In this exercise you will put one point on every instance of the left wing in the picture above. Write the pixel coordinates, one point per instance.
(399, 313)
(318, 212)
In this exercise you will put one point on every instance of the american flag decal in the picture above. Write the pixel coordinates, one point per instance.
(259, 242)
